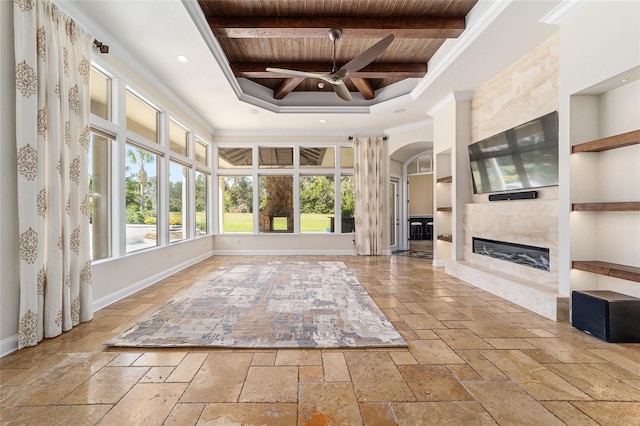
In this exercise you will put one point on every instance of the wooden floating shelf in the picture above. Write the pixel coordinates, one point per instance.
(448, 238)
(445, 179)
(611, 142)
(614, 270)
(626, 206)
(444, 209)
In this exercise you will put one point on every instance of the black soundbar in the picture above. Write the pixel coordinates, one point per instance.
(526, 195)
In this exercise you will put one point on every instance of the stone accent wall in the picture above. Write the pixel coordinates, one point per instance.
(525, 90)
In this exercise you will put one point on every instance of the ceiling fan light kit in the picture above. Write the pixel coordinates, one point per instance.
(337, 76)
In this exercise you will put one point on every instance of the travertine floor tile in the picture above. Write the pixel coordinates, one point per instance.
(628, 359)
(537, 380)
(568, 413)
(220, 378)
(433, 383)
(60, 415)
(185, 414)
(377, 414)
(311, 373)
(441, 413)
(270, 384)
(497, 329)
(595, 382)
(188, 367)
(519, 367)
(249, 414)
(612, 413)
(376, 377)
(462, 339)
(335, 367)
(63, 378)
(433, 352)
(107, 386)
(156, 359)
(564, 351)
(510, 405)
(403, 358)
(148, 403)
(334, 402)
(298, 357)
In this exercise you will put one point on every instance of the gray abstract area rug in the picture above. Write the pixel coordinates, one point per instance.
(269, 305)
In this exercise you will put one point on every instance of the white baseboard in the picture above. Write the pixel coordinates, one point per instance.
(8, 345)
(133, 288)
(284, 252)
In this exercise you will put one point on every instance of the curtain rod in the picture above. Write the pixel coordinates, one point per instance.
(101, 46)
(384, 138)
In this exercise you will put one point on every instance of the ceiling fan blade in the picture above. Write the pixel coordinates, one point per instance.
(366, 57)
(342, 91)
(297, 73)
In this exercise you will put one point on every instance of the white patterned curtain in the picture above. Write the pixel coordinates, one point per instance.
(370, 178)
(52, 127)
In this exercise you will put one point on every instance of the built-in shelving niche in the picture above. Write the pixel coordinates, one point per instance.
(601, 268)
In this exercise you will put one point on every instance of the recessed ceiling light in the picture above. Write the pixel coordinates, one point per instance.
(182, 59)
(400, 111)
(623, 80)
(253, 111)
(323, 121)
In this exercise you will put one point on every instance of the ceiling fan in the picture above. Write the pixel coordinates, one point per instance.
(337, 76)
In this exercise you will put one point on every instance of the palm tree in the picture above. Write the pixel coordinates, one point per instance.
(141, 159)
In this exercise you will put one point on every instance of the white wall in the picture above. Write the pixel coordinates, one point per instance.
(9, 261)
(589, 57)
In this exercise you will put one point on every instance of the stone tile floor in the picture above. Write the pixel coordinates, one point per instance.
(473, 358)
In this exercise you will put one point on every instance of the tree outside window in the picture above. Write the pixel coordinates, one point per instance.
(317, 203)
(237, 203)
(141, 175)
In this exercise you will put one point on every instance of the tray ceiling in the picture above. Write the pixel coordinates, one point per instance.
(254, 35)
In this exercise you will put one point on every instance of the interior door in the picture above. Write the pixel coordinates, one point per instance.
(394, 204)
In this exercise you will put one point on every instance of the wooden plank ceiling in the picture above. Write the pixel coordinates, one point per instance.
(293, 34)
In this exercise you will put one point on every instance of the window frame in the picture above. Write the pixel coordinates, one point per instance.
(296, 171)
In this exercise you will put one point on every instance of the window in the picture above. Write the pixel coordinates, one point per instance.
(317, 203)
(235, 158)
(177, 200)
(276, 203)
(141, 174)
(100, 94)
(202, 150)
(100, 195)
(236, 195)
(201, 211)
(141, 117)
(317, 158)
(347, 204)
(275, 158)
(422, 164)
(178, 138)
(346, 157)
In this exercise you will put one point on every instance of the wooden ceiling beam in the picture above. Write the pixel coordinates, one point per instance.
(398, 70)
(287, 87)
(308, 27)
(364, 87)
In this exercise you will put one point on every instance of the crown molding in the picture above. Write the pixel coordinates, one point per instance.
(494, 9)
(417, 125)
(562, 11)
(463, 96)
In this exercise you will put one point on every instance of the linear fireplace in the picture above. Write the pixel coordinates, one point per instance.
(534, 257)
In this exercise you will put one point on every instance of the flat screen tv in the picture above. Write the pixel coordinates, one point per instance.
(524, 157)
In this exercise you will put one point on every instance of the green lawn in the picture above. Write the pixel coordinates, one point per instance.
(200, 216)
(243, 222)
